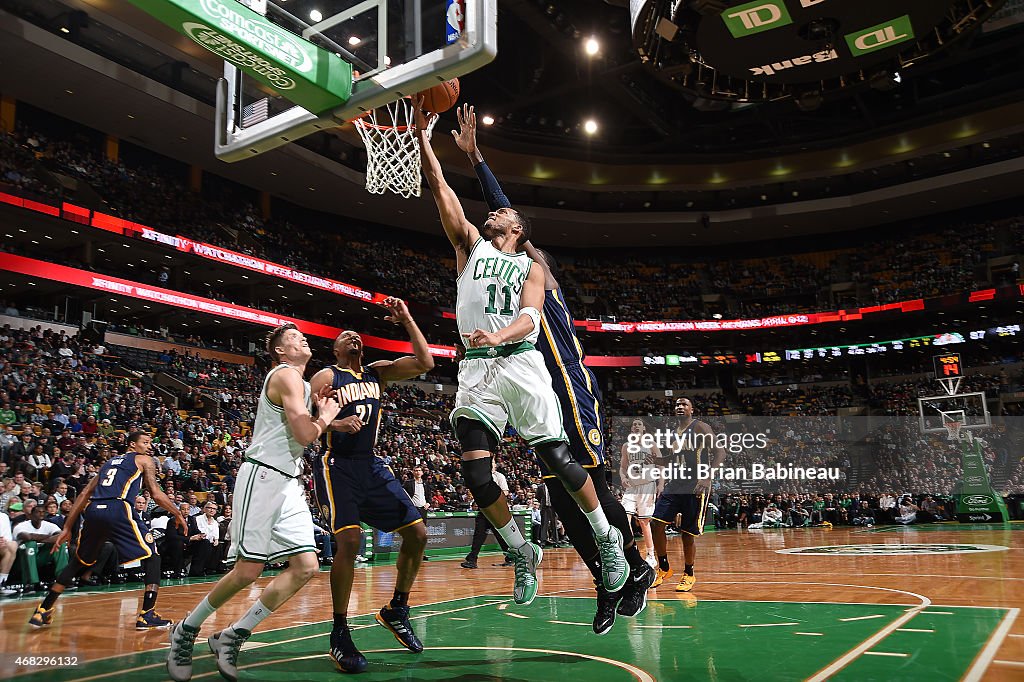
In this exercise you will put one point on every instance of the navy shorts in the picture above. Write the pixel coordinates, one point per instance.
(579, 396)
(354, 490)
(115, 521)
(693, 509)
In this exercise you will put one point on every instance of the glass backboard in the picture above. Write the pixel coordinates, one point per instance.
(396, 48)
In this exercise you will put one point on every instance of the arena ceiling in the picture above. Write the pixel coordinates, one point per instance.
(674, 168)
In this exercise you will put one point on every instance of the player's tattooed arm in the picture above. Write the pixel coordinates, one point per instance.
(411, 365)
(149, 480)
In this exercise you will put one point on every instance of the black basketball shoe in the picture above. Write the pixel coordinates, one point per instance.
(396, 619)
(604, 619)
(347, 658)
(634, 594)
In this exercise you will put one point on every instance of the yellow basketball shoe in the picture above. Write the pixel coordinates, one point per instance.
(686, 583)
(661, 576)
(42, 616)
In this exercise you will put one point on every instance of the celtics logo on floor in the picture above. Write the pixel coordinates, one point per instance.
(892, 549)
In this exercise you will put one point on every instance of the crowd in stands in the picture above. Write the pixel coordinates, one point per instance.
(63, 412)
(641, 285)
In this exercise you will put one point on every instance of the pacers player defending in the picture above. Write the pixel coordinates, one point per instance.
(641, 491)
(503, 377)
(353, 485)
(687, 497)
(580, 400)
(272, 520)
(108, 514)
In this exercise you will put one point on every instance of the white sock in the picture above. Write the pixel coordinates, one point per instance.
(256, 613)
(511, 534)
(598, 521)
(200, 613)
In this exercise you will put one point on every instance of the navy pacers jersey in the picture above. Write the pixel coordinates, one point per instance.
(111, 516)
(359, 394)
(574, 383)
(119, 478)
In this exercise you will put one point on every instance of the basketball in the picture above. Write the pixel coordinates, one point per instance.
(441, 97)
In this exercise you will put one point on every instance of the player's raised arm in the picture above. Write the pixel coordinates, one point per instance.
(287, 388)
(530, 303)
(145, 462)
(410, 365)
(465, 138)
(461, 233)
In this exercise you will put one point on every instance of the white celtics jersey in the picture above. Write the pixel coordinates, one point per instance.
(489, 289)
(272, 441)
(638, 458)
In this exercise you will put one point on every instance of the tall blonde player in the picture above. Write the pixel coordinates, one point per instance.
(503, 377)
(641, 487)
(272, 520)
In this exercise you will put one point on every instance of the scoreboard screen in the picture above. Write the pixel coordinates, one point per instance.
(947, 366)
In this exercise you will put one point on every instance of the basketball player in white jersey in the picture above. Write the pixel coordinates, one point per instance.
(641, 487)
(503, 378)
(272, 520)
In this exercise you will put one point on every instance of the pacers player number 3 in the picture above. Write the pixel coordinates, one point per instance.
(492, 293)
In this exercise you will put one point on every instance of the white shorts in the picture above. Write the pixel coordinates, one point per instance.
(639, 500)
(272, 519)
(516, 389)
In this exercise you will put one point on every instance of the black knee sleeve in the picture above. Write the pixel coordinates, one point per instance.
(474, 436)
(559, 461)
(477, 473)
(152, 568)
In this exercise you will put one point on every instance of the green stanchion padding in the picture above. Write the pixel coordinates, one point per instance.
(308, 75)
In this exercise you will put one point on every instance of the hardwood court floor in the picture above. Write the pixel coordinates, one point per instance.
(879, 604)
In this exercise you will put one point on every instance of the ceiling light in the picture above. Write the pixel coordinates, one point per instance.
(488, 120)
(592, 47)
(354, 40)
(64, 29)
(590, 126)
(315, 15)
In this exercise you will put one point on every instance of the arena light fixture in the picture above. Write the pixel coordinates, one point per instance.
(592, 47)
(316, 15)
(354, 40)
(487, 120)
(590, 126)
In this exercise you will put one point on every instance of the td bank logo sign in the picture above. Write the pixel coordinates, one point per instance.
(756, 17)
(879, 37)
(892, 549)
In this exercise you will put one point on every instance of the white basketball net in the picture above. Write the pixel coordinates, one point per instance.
(953, 431)
(392, 150)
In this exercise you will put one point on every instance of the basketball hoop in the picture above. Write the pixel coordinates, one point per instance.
(953, 430)
(392, 150)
